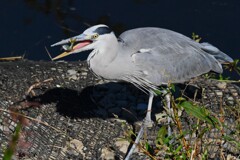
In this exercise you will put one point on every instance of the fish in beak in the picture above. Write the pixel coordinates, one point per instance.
(81, 41)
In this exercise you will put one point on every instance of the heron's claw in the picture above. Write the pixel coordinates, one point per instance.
(148, 123)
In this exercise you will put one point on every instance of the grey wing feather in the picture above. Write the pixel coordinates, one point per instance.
(150, 37)
(166, 56)
(174, 68)
(219, 55)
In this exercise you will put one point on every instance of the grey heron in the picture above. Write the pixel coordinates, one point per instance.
(146, 57)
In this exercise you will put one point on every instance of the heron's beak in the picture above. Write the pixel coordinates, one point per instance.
(64, 54)
(83, 41)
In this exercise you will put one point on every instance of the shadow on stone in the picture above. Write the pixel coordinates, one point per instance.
(71, 103)
(104, 101)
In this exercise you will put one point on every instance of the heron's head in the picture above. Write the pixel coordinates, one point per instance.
(91, 38)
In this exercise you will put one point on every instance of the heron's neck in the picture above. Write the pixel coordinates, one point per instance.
(103, 55)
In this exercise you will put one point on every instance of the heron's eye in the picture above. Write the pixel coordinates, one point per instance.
(94, 36)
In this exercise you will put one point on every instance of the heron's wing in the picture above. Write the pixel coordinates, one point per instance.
(151, 37)
(167, 65)
(166, 56)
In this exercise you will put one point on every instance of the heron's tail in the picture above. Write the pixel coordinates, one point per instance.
(219, 55)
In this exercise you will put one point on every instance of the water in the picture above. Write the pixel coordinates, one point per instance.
(28, 26)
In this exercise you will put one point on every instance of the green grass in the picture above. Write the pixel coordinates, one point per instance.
(176, 146)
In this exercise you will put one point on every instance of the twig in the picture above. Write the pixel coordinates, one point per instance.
(37, 85)
(193, 152)
(179, 126)
(11, 58)
(68, 29)
(30, 118)
(141, 148)
(228, 81)
(130, 113)
(48, 53)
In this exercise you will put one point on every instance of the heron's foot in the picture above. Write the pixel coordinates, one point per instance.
(148, 121)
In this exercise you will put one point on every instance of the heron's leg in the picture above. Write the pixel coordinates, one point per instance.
(145, 123)
(168, 101)
(148, 120)
(140, 133)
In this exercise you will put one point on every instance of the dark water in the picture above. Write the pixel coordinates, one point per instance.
(27, 26)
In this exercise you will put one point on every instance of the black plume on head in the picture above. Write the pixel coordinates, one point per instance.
(103, 30)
